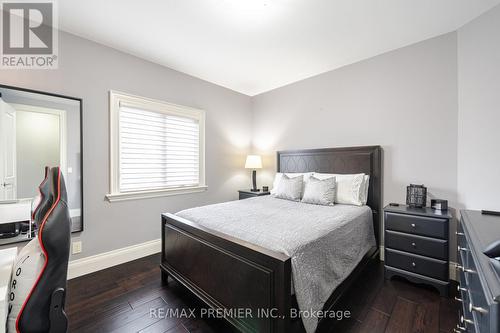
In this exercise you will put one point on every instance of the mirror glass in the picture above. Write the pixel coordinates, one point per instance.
(36, 130)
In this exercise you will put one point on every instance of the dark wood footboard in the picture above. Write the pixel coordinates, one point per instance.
(251, 284)
(231, 274)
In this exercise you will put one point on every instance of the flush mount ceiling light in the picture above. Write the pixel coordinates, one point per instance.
(246, 4)
(241, 14)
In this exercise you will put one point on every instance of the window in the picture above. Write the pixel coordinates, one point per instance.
(156, 149)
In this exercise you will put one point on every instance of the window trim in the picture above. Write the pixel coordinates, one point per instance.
(117, 98)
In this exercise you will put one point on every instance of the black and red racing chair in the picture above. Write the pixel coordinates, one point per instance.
(38, 291)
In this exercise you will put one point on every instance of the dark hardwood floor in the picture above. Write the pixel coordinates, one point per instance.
(120, 299)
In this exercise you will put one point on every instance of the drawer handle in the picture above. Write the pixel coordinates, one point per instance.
(462, 249)
(477, 309)
(459, 289)
(413, 225)
(465, 320)
(459, 233)
(460, 328)
(458, 299)
(413, 264)
(413, 244)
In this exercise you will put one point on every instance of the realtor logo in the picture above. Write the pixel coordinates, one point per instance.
(29, 35)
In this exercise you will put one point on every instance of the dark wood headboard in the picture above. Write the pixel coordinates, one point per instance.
(366, 160)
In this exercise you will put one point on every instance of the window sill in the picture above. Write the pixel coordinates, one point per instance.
(113, 197)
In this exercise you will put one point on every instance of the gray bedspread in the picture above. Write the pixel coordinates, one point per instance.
(325, 243)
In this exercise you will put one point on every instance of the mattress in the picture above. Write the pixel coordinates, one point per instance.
(325, 243)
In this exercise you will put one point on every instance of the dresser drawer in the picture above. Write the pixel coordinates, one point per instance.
(477, 298)
(462, 256)
(434, 268)
(430, 247)
(463, 293)
(466, 318)
(418, 225)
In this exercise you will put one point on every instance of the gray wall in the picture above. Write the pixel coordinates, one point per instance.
(429, 111)
(405, 100)
(479, 112)
(89, 70)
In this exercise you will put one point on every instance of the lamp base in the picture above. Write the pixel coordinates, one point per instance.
(254, 182)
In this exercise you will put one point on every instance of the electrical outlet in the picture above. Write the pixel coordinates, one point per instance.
(77, 247)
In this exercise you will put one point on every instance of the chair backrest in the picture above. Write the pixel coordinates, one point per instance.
(54, 226)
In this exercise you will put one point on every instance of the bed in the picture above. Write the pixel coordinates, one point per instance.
(241, 255)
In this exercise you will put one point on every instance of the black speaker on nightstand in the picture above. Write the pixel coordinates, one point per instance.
(439, 204)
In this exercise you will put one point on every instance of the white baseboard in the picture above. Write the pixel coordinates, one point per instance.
(105, 260)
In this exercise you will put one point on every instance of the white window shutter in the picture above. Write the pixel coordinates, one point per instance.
(157, 150)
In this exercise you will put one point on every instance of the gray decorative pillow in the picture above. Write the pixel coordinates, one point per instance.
(289, 188)
(320, 191)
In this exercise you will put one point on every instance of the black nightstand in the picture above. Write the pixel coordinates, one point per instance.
(245, 194)
(416, 245)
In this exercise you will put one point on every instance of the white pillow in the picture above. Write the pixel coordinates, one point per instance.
(290, 188)
(28, 265)
(366, 185)
(320, 191)
(350, 187)
(278, 176)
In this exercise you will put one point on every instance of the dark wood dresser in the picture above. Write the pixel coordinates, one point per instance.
(417, 245)
(479, 280)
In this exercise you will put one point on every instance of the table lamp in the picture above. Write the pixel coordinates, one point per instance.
(254, 162)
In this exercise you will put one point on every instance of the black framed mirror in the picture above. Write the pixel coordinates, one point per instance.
(37, 129)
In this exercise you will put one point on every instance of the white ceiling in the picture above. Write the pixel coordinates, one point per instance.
(253, 46)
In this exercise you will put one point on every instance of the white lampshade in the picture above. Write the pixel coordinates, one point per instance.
(253, 162)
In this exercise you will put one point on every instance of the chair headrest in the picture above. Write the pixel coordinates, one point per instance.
(43, 192)
(50, 189)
